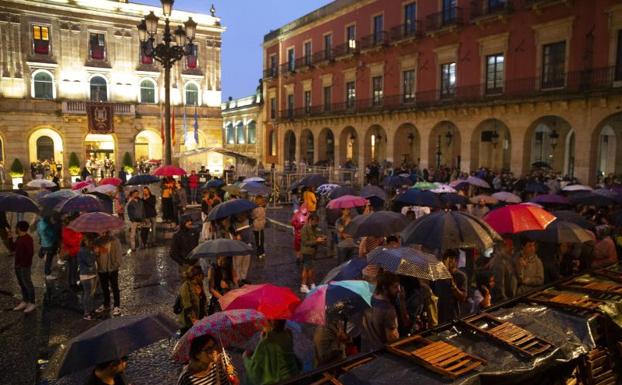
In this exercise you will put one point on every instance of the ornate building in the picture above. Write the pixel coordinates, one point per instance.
(59, 59)
(494, 83)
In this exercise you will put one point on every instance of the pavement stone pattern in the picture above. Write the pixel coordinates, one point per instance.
(148, 282)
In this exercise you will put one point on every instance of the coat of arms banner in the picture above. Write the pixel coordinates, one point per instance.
(100, 118)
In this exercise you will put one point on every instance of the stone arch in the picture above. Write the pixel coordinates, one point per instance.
(43, 84)
(53, 135)
(406, 145)
(240, 132)
(100, 147)
(307, 147)
(444, 145)
(229, 133)
(349, 146)
(491, 146)
(289, 147)
(326, 146)
(606, 151)
(3, 150)
(546, 141)
(147, 145)
(375, 144)
(99, 88)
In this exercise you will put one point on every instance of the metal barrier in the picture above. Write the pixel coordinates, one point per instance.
(282, 181)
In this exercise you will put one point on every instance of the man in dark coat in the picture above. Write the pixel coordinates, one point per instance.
(184, 240)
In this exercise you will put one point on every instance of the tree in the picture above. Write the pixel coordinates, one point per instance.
(17, 170)
(128, 166)
(74, 164)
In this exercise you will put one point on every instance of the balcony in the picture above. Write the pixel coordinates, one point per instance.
(406, 32)
(79, 107)
(375, 40)
(449, 18)
(490, 9)
(270, 73)
(538, 5)
(575, 84)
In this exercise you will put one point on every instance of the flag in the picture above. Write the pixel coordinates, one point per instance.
(185, 127)
(173, 125)
(196, 126)
(162, 124)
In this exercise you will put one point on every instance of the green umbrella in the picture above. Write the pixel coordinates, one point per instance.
(425, 185)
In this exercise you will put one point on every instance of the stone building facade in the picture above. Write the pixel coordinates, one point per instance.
(242, 126)
(501, 84)
(59, 57)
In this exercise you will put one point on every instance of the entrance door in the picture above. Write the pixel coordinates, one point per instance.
(100, 155)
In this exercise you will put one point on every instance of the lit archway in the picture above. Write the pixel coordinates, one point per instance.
(348, 147)
(326, 147)
(307, 146)
(50, 147)
(2, 156)
(444, 147)
(148, 145)
(491, 146)
(290, 147)
(375, 145)
(607, 143)
(406, 146)
(100, 154)
(546, 142)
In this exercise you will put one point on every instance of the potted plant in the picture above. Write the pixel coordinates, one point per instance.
(127, 164)
(74, 166)
(17, 173)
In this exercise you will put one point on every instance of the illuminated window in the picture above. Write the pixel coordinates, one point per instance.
(97, 46)
(41, 39)
(192, 94)
(147, 91)
(239, 133)
(99, 89)
(43, 85)
(251, 132)
(448, 80)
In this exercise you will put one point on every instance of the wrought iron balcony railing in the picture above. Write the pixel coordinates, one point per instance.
(450, 16)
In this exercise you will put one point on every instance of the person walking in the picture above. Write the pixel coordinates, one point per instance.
(70, 247)
(311, 238)
(259, 223)
(192, 298)
(49, 242)
(88, 275)
(193, 183)
(108, 264)
(184, 240)
(23, 247)
(149, 207)
(136, 215)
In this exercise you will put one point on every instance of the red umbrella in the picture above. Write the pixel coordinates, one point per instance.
(517, 218)
(169, 171)
(275, 302)
(347, 202)
(80, 185)
(112, 181)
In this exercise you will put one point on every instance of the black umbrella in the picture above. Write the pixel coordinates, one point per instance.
(51, 201)
(220, 248)
(444, 230)
(561, 232)
(373, 191)
(409, 261)
(312, 180)
(81, 203)
(142, 179)
(113, 339)
(454, 199)
(418, 197)
(536, 187)
(590, 198)
(229, 208)
(341, 191)
(378, 224)
(17, 203)
(214, 183)
(106, 201)
(574, 217)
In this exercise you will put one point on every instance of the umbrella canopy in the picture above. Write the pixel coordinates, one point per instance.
(341, 191)
(107, 189)
(591, 199)
(17, 203)
(443, 189)
(396, 181)
(610, 194)
(326, 188)
(536, 187)
(424, 185)
(41, 183)
(507, 197)
(312, 180)
(347, 202)
(232, 189)
(96, 222)
(275, 302)
(214, 183)
(42, 194)
(221, 247)
(517, 218)
(418, 197)
(230, 327)
(378, 224)
(454, 199)
(110, 181)
(169, 170)
(52, 200)
(113, 339)
(81, 203)
(352, 269)
(255, 188)
(486, 199)
(334, 300)
(551, 199)
(472, 180)
(444, 230)
(229, 208)
(373, 191)
(255, 179)
(574, 217)
(410, 262)
(577, 187)
(561, 232)
(142, 179)
(80, 185)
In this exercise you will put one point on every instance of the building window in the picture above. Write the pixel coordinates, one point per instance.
(553, 65)
(230, 137)
(377, 92)
(272, 108)
(192, 60)
(328, 98)
(307, 53)
(251, 131)
(144, 58)
(618, 74)
(192, 94)
(410, 19)
(378, 29)
(307, 101)
(494, 73)
(291, 60)
(147, 91)
(449, 11)
(328, 46)
(272, 65)
(43, 85)
(351, 37)
(41, 39)
(239, 133)
(97, 46)
(99, 89)
(273, 143)
(45, 148)
(409, 86)
(290, 106)
(350, 94)
(448, 80)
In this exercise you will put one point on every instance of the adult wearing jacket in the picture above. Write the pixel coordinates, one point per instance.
(192, 298)
(193, 183)
(259, 223)
(108, 264)
(136, 214)
(88, 273)
(149, 207)
(49, 242)
(69, 251)
(184, 240)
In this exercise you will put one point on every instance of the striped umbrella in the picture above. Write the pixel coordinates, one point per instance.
(96, 223)
(81, 203)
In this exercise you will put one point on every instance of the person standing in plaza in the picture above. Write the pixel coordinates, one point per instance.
(119, 202)
(192, 298)
(181, 200)
(5, 229)
(70, 247)
(193, 183)
(108, 264)
(136, 215)
(310, 238)
(88, 275)
(49, 242)
(310, 199)
(149, 207)
(23, 247)
(259, 223)
(529, 268)
(168, 208)
(380, 320)
(243, 232)
(184, 240)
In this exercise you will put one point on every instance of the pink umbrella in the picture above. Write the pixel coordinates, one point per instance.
(347, 202)
(96, 222)
(112, 181)
(169, 171)
(80, 185)
(275, 302)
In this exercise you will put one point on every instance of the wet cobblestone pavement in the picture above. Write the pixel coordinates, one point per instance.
(148, 282)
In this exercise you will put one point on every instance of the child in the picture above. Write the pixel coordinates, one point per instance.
(23, 247)
(88, 273)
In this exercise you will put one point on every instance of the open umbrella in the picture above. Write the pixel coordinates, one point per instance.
(352, 269)
(536, 187)
(418, 197)
(574, 217)
(341, 191)
(221, 247)
(80, 185)
(275, 302)
(507, 197)
(337, 300)
(443, 189)
(96, 222)
(214, 183)
(50, 201)
(550, 199)
(111, 181)
(396, 181)
(255, 179)
(444, 230)
(41, 183)
(487, 199)
(347, 202)
(576, 187)
(17, 203)
(373, 191)
(610, 194)
(326, 188)
(424, 185)
(81, 203)
(478, 182)
(113, 339)
(229, 327)
(312, 180)
(517, 218)
(142, 179)
(378, 224)
(107, 189)
(590, 198)
(232, 189)
(561, 232)
(169, 170)
(453, 199)
(409, 261)
(255, 188)
(229, 208)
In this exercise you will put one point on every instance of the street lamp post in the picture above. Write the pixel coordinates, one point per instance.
(167, 54)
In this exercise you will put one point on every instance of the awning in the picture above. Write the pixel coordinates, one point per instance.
(238, 157)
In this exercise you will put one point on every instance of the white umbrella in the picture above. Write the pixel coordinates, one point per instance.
(41, 183)
(577, 187)
(254, 179)
(443, 188)
(105, 189)
(508, 197)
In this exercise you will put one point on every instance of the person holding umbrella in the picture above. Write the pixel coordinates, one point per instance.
(184, 240)
(192, 298)
(136, 214)
(23, 247)
(221, 278)
(529, 268)
(149, 208)
(451, 293)
(380, 324)
(206, 364)
(311, 238)
(88, 273)
(242, 231)
(259, 223)
(70, 247)
(109, 372)
(108, 264)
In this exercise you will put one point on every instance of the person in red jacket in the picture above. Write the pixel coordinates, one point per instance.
(23, 247)
(193, 183)
(69, 250)
(298, 221)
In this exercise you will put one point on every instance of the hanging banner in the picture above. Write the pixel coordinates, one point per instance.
(100, 118)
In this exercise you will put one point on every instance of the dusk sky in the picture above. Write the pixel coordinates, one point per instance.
(247, 21)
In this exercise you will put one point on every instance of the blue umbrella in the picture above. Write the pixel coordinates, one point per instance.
(214, 183)
(51, 201)
(352, 269)
(396, 181)
(454, 199)
(81, 203)
(17, 203)
(142, 179)
(255, 188)
(535, 187)
(229, 208)
(373, 191)
(420, 198)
